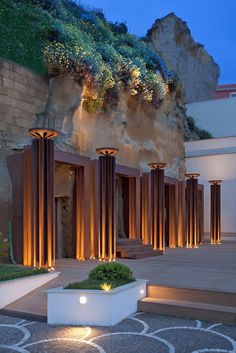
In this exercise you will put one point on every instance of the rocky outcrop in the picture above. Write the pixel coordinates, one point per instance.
(142, 133)
(172, 40)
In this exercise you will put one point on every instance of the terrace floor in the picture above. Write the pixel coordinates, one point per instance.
(142, 332)
(208, 267)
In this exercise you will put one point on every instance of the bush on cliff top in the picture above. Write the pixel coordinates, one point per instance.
(59, 36)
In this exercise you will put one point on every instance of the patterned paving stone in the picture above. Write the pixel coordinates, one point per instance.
(142, 332)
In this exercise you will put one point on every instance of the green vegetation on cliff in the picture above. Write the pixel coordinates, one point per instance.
(58, 36)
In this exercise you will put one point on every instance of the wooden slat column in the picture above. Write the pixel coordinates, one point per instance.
(107, 234)
(145, 208)
(181, 213)
(132, 209)
(42, 202)
(192, 210)
(79, 211)
(215, 211)
(172, 212)
(158, 205)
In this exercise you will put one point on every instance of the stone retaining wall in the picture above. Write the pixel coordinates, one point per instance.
(23, 94)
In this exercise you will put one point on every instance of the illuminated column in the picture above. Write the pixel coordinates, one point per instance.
(181, 214)
(145, 208)
(192, 210)
(42, 236)
(158, 205)
(215, 212)
(107, 234)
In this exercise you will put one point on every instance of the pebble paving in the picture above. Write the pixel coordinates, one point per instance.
(142, 332)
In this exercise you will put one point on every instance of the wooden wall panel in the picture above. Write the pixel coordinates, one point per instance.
(181, 214)
(215, 215)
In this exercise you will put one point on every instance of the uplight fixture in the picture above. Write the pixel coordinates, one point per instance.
(82, 300)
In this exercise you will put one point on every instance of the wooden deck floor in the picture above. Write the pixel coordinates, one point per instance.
(208, 267)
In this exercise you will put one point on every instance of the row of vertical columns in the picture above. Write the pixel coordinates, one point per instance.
(39, 238)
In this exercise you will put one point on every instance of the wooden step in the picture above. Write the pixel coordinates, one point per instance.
(141, 254)
(127, 241)
(192, 295)
(188, 309)
(132, 248)
(135, 249)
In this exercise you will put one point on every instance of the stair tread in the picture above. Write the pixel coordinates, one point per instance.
(120, 240)
(144, 250)
(130, 249)
(141, 254)
(189, 304)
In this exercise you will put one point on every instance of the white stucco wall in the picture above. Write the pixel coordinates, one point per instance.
(216, 116)
(216, 159)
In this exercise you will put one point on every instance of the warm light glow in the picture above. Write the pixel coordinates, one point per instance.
(43, 133)
(106, 286)
(107, 151)
(83, 300)
(142, 291)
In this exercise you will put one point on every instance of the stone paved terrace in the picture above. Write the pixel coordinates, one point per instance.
(208, 267)
(142, 332)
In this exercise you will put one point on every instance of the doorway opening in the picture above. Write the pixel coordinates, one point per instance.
(122, 207)
(64, 185)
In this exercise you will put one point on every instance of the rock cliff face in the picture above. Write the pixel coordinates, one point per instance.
(142, 133)
(172, 39)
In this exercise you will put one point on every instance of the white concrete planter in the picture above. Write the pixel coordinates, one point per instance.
(94, 307)
(16, 288)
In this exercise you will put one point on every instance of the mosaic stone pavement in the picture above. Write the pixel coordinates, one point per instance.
(142, 332)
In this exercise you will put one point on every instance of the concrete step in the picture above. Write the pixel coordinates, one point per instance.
(141, 254)
(188, 309)
(192, 295)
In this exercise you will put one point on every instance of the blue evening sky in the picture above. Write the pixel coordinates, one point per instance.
(212, 23)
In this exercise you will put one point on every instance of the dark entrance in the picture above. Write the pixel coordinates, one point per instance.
(64, 186)
(122, 207)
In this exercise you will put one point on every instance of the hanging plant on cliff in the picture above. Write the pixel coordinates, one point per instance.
(102, 56)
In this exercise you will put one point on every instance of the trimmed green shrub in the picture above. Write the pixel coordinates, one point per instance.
(105, 277)
(111, 272)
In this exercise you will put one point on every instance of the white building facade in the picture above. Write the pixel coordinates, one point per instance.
(216, 159)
